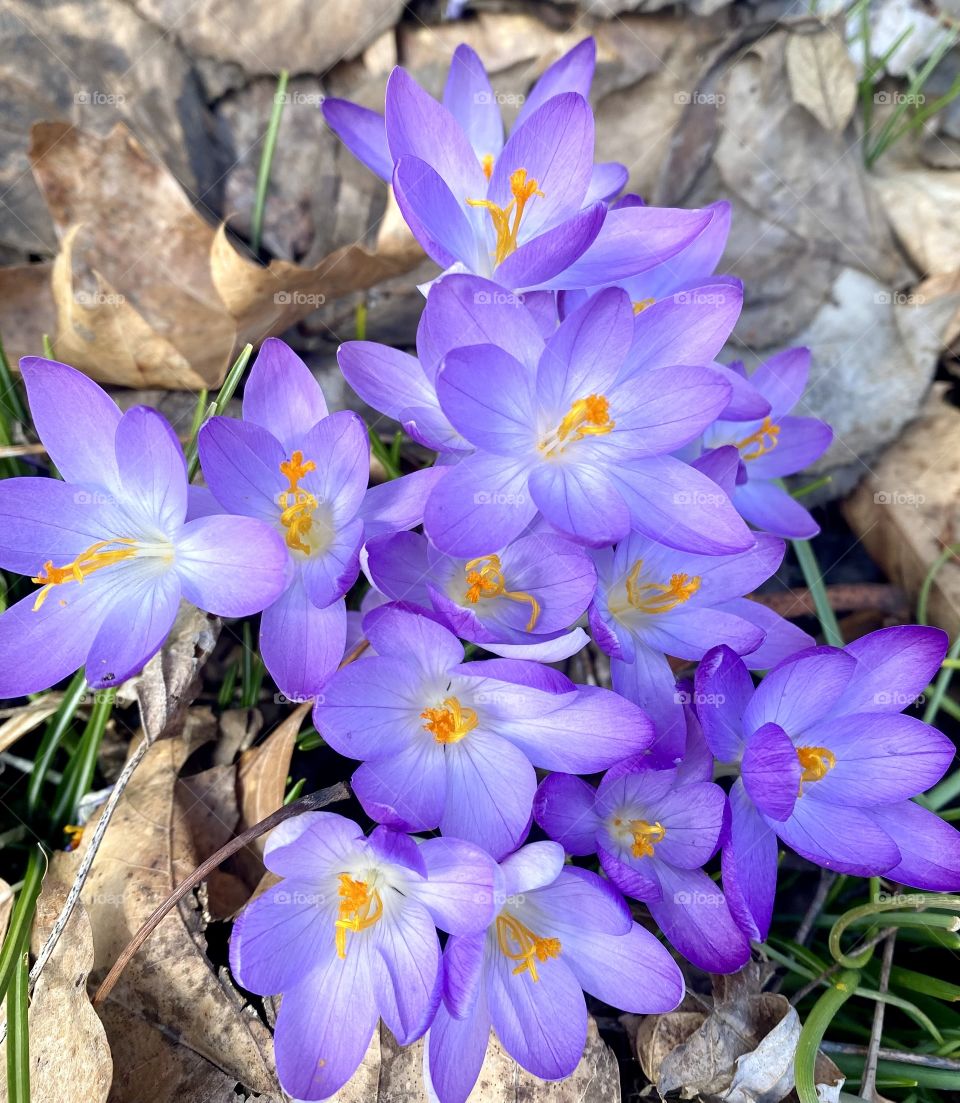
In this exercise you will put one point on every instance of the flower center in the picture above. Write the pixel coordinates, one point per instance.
(759, 443)
(645, 837)
(484, 578)
(641, 305)
(816, 762)
(95, 558)
(360, 908)
(521, 945)
(506, 220)
(296, 505)
(656, 597)
(449, 722)
(587, 417)
(487, 161)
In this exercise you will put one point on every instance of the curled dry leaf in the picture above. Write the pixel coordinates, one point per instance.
(69, 1054)
(25, 719)
(822, 77)
(170, 1010)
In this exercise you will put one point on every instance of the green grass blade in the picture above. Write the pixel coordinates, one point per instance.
(78, 776)
(266, 161)
(818, 591)
(18, 1033)
(818, 1021)
(21, 920)
(226, 392)
(57, 727)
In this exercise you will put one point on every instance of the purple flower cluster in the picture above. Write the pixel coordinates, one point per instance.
(598, 475)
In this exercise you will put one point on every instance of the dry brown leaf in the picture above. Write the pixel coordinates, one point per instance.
(25, 719)
(922, 206)
(822, 77)
(69, 1054)
(389, 1074)
(170, 985)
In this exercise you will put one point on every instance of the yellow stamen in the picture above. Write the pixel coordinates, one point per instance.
(449, 722)
(523, 190)
(654, 597)
(487, 161)
(645, 837)
(95, 558)
(587, 417)
(759, 443)
(816, 762)
(296, 505)
(640, 306)
(74, 834)
(484, 578)
(360, 908)
(520, 944)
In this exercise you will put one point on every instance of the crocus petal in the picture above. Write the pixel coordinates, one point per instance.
(325, 1025)
(398, 503)
(800, 692)
(582, 501)
(542, 1024)
(881, 758)
(499, 416)
(649, 683)
(723, 687)
(551, 651)
(782, 638)
(43, 519)
(894, 666)
(307, 846)
(470, 99)
(340, 448)
(563, 807)
(801, 442)
(573, 72)
(480, 504)
(281, 394)
(534, 866)
(661, 411)
(672, 502)
(692, 263)
(408, 989)
(929, 847)
(279, 930)
(537, 261)
(433, 214)
(75, 419)
(846, 840)
(138, 621)
(746, 403)
(362, 131)
(403, 634)
(397, 564)
(772, 509)
(636, 877)
(632, 972)
(463, 958)
(408, 789)
(693, 817)
(455, 1052)
(490, 787)
(241, 464)
(694, 915)
(458, 891)
(386, 378)
(783, 378)
(152, 469)
(302, 645)
(686, 632)
(328, 575)
(771, 771)
(607, 180)
(749, 865)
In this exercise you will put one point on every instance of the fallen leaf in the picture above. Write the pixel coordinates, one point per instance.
(25, 719)
(69, 1054)
(922, 206)
(822, 77)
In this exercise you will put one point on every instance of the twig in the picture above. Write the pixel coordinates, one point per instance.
(851, 597)
(868, 1085)
(827, 973)
(309, 803)
(926, 1060)
(827, 877)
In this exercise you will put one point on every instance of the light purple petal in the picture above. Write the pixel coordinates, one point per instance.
(929, 847)
(771, 508)
(153, 472)
(500, 415)
(663, 410)
(302, 645)
(328, 575)
(771, 771)
(693, 817)
(534, 866)
(241, 464)
(581, 500)
(455, 1052)
(749, 865)
(386, 378)
(607, 181)
(362, 131)
(563, 807)
(397, 564)
(649, 683)
(307, 846)
(433, 214)
(846, 840)
(581, 899)
(783, 378)
(894, 666)
(802, 441)
(47, 519)
(458, 891)
(416, 639)
(782, 637)
(339, 447)
(406, 789)
(537, 262)
(281, 394)
(686, 633)
(573, 72)
(800, 692)
(406, 940)
(398, 503)
(470, 99)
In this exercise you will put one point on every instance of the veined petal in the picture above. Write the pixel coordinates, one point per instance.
(771, 508)
(534, 866)
(339, 447)
(783, 378)
(631, 972)
(540, 262)
(564, 808)
(801, 442)
(153, 472)
(470, 99)
(302, 645)
(723, 688)
(434, 215)
(749, 865)
(406, 789)
(455, 1052)
(581, 500)
(281, 394)
(307, 846)
(386, 378)
(649, 683)
(416, 639)
(406, 941)
(929, 847)
(894, 666)
(771, 771)
(459, 888)
(362, 131)
(241, 464)
(399, 503)
(573, 72)
(800, 692)
(497, 414)
(693, 818)
(843, 839)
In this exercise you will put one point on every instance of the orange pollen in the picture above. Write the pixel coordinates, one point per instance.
(296, 505)
(74, 834)
(759, 443)
(95, 558)
(520, 944)
(360, 908)
(645, 837)
(487, 161)
(587, 417)
(449, 722)
(641, 305)
(816, 762)
(507, 228)
(654, 597)
(484, 578)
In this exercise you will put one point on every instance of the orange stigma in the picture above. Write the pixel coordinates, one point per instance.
(360, 908)
(95, 558)
(486, 162)
(654, 597)
(296, 505)
(816, 763)
(645, 837)
(761, 442)
(641, 305)
(484, 578)
(449, 722)
(587, 417)
(523, 190)
(520, 944)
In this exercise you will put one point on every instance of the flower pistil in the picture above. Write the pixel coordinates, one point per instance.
(523, 190)
(296, 505)
(520, 944)
(759, 443)
(95, 558)
(816, 762)
(656, 597)
(587, 417)
(449, 722)
(360, 908)
(484, 578)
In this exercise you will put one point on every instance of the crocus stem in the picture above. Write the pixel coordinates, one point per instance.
(814, 580)
(869, 912)
(819, 1019)
(57, 728)
(266, 160)
(18, 933)
(78, 775)
(226, 392)
(18, 1033)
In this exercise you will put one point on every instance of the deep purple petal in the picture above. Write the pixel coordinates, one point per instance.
(241, 464)
(749, 865)
(929, 847)
(846, 840)
(537, 262)
(723, 688)
(433, 214)
(153, 472)
(771, 771)
(573, 72)
(894, 666)
(563, 807)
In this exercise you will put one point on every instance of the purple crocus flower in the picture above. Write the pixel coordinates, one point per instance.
(828, 765)
(109, 545)
(653, 831)
(349, 937)
(518, 601)
(453, 744)
(777, 445)
(582, 435)
(471, 100)
(304, 472)
(559, 932)
(653, 601)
